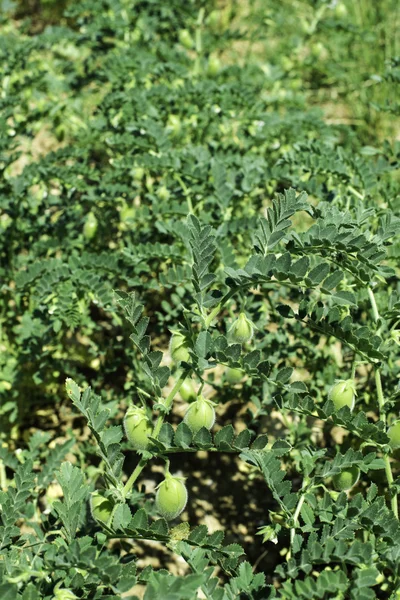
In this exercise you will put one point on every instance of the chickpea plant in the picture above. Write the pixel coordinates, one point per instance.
(338, 515)
(338, 527)
(255, 247)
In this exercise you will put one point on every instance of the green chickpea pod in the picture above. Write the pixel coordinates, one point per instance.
(200, 414)
(233, 375)
(343, 394)
(90, 226)
(241, 331)
(101, 507)
(394, 435)
(171, 497)
(188, 391)
(346, 479)
(185, 39)
(137, 427)
(178, 347)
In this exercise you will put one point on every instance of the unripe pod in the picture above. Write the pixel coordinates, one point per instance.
(101, 507)
(90, 226)
(174, 125)
(137, 427)
(395, 336)
(234, 375)
(241, 330)
(178, 347)
(343, 394)
(200, 414)
(218, 20)
(128, 213)
(213, 66)
(163, 193)
(340, 10)
(137, 173)
(346, 479)
(318, 50)
(185, 39)
(171, 497)
(394, 435)
(188, 391)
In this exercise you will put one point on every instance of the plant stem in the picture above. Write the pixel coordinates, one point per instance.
(135, 474)
(354, 367)
(3, 477)
(389, 477)
(143, 461)
(382, 414)
(373, 305)
(379, 391)
(296, 516)
(198, 40)
(186, 192)
(355, 192)
(217, 309)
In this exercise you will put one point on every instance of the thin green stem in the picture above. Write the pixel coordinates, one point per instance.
(296, 516)
(217, 309)
(135, 474)
(143, 392)
(388, 469)
(374, 307)
(167, 403)
(355, 192)
(379, 391)
(382, 414)
(353, 367)
(389, 477)
(198, 40)
(186, 192)
(3, 476)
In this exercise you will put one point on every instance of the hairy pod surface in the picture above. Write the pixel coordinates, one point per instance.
(101, 507)
(343, 394)
(233, 375)
(200, 414)
(171, 497)
(241, 330)
(188, 391)
(185, 39)
(90, 226)
(346, 479)
(178, 348)
(394, 435)
(137, 427)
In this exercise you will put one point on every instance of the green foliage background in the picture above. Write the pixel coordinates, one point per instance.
(105, 115)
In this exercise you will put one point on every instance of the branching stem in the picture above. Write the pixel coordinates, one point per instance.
(208, 320)
(167, 403)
